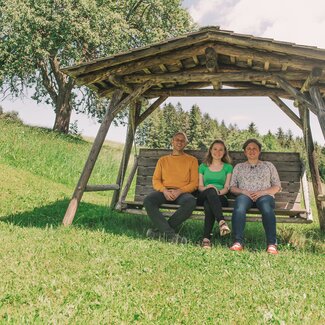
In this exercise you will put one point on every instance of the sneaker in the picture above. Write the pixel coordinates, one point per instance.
(237, 247)
(177, 239)
(223, 228)
(153, 233)
(206, 243)
(272, 249)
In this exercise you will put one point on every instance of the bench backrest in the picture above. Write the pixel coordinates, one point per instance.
(288, 164)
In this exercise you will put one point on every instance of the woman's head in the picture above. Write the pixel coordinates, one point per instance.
(252, 149)
(217, 150)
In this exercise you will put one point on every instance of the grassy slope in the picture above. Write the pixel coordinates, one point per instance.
(103, 270)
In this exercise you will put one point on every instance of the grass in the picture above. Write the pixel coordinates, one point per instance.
(104, 270)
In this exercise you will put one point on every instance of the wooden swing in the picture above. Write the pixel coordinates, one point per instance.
(200, 64)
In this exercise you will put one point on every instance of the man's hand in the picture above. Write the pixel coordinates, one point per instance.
(172, 195)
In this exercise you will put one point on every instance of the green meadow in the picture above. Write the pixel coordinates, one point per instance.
(103, 270)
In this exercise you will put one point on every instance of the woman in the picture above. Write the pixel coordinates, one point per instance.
(254, 182)
(214, 179)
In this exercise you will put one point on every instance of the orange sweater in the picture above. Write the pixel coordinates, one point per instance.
(176, 172)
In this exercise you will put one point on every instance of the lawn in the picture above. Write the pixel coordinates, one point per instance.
(102, 269)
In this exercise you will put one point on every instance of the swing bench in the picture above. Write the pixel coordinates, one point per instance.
(292, 204)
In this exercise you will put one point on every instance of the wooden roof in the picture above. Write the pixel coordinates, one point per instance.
(222, 62)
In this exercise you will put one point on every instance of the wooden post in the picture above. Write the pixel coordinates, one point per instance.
(313, 166)
(320, 105)
(134, 112)
(118, 206)
(90, 163)
(115, 106)
(305, 191)
(129, 140)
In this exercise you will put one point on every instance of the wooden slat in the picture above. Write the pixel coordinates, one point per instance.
(289, 166)
(98, 188)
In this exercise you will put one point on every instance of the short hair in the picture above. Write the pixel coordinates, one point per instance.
(180, 133)
(247, 142)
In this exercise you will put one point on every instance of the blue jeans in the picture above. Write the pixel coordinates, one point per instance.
(266, 206)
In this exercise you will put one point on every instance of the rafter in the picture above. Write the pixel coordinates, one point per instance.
(220, 76)
(214, 93)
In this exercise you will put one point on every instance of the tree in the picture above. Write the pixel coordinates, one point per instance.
(38, 38)
(195, 128)
(252, 129)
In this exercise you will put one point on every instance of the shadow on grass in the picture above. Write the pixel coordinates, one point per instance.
(89, 216)
(98, 217)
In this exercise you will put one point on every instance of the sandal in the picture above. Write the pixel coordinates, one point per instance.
(223, 228)
(272, 249)
(237, 247)
(206, 243)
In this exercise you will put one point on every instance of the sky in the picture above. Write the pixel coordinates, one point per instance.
(297, 21)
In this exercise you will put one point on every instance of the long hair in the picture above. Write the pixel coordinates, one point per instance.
(226, 158)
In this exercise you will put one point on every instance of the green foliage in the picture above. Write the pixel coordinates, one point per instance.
(202, 130)
(38, 38)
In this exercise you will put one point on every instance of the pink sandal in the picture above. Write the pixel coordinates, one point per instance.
(237, 247)
(206, 243)
(272, 249)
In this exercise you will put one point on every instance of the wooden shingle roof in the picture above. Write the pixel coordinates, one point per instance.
(214, 59)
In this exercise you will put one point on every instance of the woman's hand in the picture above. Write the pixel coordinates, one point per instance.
(257, 194)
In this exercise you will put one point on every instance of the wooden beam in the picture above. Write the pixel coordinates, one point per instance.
(313, 165)
(118, 82)
(151, 109)
(295, 93)
(195, 59)
(90, 163)
(287, 110)
(208, 77)
(211, 59)
(216, 84)
(311, 80)
(319, 103)
(216, 93)
(163, 67)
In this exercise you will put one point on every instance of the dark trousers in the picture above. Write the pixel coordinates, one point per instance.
(266, 205)
(213, 204)
(154, 200)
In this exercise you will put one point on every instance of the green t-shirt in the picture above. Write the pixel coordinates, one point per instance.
(217, 179)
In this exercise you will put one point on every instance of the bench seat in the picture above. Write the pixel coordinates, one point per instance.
(292, 203)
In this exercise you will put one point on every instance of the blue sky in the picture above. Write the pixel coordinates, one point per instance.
(295, 21)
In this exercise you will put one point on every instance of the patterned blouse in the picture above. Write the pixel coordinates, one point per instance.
(255, 177)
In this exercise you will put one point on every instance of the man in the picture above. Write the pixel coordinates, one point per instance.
(174, 179)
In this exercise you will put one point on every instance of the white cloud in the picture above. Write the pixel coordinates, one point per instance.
(297, 21)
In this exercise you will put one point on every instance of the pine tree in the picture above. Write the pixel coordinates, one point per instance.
(195, 128)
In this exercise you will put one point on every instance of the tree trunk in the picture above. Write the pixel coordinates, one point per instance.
(62, 117)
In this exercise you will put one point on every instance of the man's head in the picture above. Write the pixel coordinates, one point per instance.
(179, 141)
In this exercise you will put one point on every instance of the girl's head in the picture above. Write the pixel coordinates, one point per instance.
(217, 150)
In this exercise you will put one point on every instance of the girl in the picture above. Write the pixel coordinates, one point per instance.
(214, 179)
